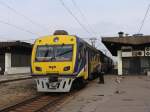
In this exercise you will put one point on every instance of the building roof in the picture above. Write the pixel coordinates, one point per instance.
(132, 40)
(115, 43)
(15, 46)
(15, 43)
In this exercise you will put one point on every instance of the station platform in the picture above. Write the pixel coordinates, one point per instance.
(14, 77)
(130, 94)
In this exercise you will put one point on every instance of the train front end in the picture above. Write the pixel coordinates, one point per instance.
(53, 63)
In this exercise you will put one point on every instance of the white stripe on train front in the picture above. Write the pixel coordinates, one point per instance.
(62, 85)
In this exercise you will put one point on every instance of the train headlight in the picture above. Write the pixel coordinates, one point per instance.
(66, 68)
(56, 39)
(38, 68)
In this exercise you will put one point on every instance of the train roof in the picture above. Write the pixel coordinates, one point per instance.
(83, 41)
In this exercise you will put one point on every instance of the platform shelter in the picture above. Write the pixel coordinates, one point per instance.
(132, 52)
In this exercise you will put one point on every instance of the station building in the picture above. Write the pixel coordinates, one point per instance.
(15, 57)
(133, 53)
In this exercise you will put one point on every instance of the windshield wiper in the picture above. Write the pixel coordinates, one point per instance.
(46, 53)
(63, 53)
(53, 58)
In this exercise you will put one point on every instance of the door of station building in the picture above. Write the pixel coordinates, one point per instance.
(2, 64)
(131, 66)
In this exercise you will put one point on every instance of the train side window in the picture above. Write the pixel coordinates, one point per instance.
(89, 53)
(98, 57)
(91, 56)
(94, 57)
(80, 53)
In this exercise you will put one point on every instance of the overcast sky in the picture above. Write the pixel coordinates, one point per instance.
(106, 17)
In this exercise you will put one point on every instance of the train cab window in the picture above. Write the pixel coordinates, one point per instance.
(54, 53)
(63, 53)
(44, 53)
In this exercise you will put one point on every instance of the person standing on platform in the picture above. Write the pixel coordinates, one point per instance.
(101, 74)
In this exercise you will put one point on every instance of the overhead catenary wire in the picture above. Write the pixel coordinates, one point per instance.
(83, 16)
(18, 27)
(22, 15)
(97, 40)
(71, 13)
(143, 21)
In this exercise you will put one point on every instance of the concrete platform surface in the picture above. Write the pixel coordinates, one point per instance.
(13, 77)
(131, 94)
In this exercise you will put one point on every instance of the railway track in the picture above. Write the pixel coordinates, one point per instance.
(42, 103)
(13, 80)
(36, 104)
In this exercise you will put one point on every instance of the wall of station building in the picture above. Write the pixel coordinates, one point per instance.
(14, 63)
(136, 62)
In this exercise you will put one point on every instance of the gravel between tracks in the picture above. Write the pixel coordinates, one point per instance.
(17, 91)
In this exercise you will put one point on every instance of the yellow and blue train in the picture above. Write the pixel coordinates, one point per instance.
(61, 61)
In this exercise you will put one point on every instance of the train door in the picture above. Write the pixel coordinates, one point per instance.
(87, 59)
(90, 75)
(80, 57)
(86, 62)
(83, 60)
